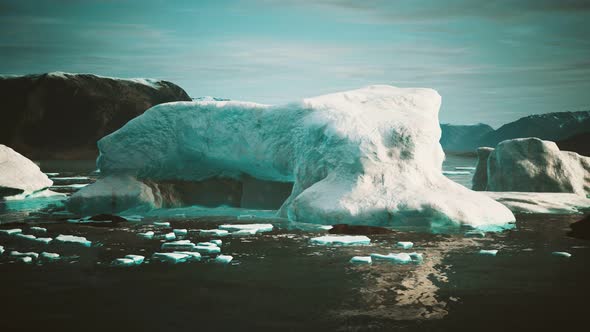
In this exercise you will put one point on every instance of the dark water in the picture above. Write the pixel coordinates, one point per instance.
(279, 281)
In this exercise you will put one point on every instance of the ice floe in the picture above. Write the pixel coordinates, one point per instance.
(561, 254)
(180, 232)
(217, 242)
(341, 240)
(400, 258)
(405, 244)
(488, 252)
(73, 239)
(169, 236)
(161, 224)
(213, 232)
(146, 235)
(361, 260)
(545, 203)
(38, 229)
(178, 245)
(257, 228)
(15, 253)
(138, 259)
(223, 259)
(193, 256)
(11, 231)
(49, 256)
(207, 249)
(169, 257)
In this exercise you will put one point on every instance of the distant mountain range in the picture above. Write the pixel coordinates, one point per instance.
(569, 129)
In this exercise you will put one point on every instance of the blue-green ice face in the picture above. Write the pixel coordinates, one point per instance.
(492, 61)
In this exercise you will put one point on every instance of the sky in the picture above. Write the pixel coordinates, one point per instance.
(492, 61)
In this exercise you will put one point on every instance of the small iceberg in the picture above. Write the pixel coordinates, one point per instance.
(213, 232)
(223, 259)
(207, 244)
(146, 235)
(180, 232)
(168, 257)
(561, 254)
(244, 232)
(178, 245)
(1, 250)
(11, 231)
(405, 244)
(73, 239)
(416, 257)
(45, 240)
(24, 254)
(193, 256)
(401, 258)
(25, 259)
(259, 228)
(137, 259)
(361, 260)
(124, 262)
(492, 252)
(208, 249)
(170, 236)
(341, 240)
(475, 233)
(161, 224)
(49, 256)
(25, 236)
(217, 242)
(38, 229)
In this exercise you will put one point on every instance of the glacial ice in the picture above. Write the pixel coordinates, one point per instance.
(25, 259)
(401, 258)
(25, 236)
(49, 256)
(73, 239)
(361, 260)
(178, 245)
(213, 232)
(207, 249)
(180, 232)
(38, 229)
(405, 244)
(217, 242)
(211, 244)
(1, 250)
(137, 259)
(562, 254)
(475, 233)
(146, 235)
(19, 175)
(15, 253)
(123, 262)
(223, 259)
(244, 232)
(490, 252)
(367, 156)
(168, 257)
(341, 240)
(169, 236)
(534, 165)
(257, 228)
(544, 203)
(45, 240)
(193, 256)
(161, 224)
(11, 231)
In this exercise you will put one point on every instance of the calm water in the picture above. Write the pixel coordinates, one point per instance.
(278, 281)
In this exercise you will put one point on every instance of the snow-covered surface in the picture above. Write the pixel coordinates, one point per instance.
(151, 82)
(112, 194)
(341, 240)
(544, 203)
(367, 156)
(20, 174)
(534, 165)
(223, 259)
(361, 260)
(73, 239)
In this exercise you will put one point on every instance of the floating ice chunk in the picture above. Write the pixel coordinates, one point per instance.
(161, 224)
(123, 262)
(239, 227)
(1, 250)
(170, 236)
(401, 258)
(146, 235)
(405, 244)
(25, 259)
(71, 178)
(341, 240)
(210, 244)
(193, 256)
(217, 242)
(52, 174)
(361, 260)
(25, 236)
(213, 232)
(133, 218)
(475, 233)
(246, 217)
(168, 257)
(223, 259)
(456, 172)
(11, 231)
(24, 254)
(45, 240)
(561, 254)
(207, 249)
(244, 232)
(492, 252)
(73, 239)
(137, 259)
(178, 245)
(416, 257)
(49, 256)
(180, 232)
(465, 168)
(38, 229)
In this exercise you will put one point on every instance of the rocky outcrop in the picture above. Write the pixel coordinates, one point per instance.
(534, 165)
(62, 116)
(19, 175)
(462, 138)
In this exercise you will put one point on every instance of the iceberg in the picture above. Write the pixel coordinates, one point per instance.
(178, 245)
(257, 228)
(361, 260)
(13, 231)
(193, 256)
(180, 232)
(207, 249)
(367, 156)
(49, 256)
(341, 240)
(24, 254)
(562, 254)
(19, 175)
(545, 203)
(213, 232)
(401, 258)
(223, 259)
(217, 242)
(416, 257)
(491, 252)
(168, 257)
(1, 250)
(137, 259)
(169, 236)
(533, 165)
(38, 229)
(45, 240)
(475, 233)
(456, 172)
(161, 224)
(405, 244)
(25, 259)
(123, 262)
(73, 239)
(146, 235)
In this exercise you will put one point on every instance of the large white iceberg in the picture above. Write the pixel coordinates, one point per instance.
(532, 165)
(543, 203)
(19, 175)
(367, 156)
